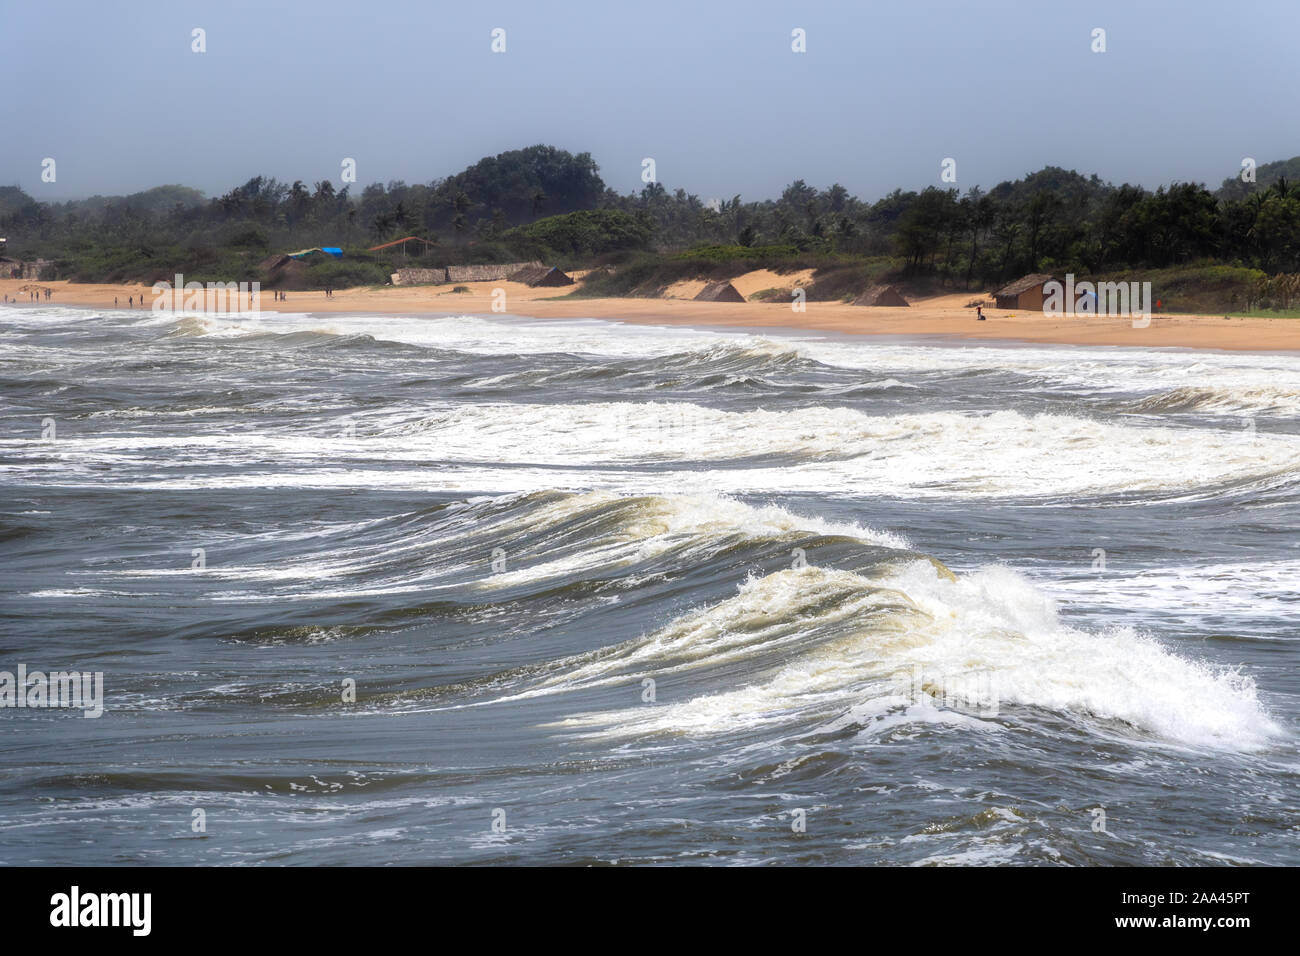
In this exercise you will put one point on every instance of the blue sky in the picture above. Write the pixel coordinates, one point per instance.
(710, 90)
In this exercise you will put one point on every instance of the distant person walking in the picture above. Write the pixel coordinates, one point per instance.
(979, 313)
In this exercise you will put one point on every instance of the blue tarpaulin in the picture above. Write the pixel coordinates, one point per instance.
(334, 251)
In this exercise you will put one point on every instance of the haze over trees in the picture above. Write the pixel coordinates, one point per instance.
(546, 202)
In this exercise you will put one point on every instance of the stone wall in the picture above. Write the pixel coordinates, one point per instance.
(488, 273)
(419, 276)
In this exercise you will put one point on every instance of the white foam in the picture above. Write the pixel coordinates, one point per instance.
(991, 629)
(641, 447)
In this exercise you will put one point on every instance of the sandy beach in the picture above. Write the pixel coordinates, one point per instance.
(946, 315)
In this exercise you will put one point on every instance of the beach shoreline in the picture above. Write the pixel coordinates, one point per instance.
(946, 316)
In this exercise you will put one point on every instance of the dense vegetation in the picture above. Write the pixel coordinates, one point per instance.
(549, 204)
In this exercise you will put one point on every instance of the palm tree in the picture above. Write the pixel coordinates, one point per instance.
(382, 226)
(299, 198)
(979, 218)
(538, 197)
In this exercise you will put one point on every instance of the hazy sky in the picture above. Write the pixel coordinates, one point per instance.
(711, 90)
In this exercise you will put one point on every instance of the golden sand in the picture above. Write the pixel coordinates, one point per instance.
(945, 315)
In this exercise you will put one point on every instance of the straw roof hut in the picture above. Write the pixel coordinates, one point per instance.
(1025, 293)
(719, 292)
(281, 268)
(535, 276)
(881, 295)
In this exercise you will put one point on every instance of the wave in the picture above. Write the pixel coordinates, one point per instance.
(1241, 399)
(860, 653)
(642, 447)
(478, 550)
(997, 454)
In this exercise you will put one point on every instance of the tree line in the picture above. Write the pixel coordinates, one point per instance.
(1053, 220)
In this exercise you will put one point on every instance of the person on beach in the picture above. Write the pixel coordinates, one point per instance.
(979, 313)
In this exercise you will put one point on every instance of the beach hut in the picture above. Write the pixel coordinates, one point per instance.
(428, 244)
(535, 276)
(719, 292)
(881, 295)
(1025, 293)
(280, 269)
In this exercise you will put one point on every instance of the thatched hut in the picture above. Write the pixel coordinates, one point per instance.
(535, 276)
(281, 269)
(719, 292)
(1025, 293)
(881, 295)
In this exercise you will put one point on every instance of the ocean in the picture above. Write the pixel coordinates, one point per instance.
(464, 590)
